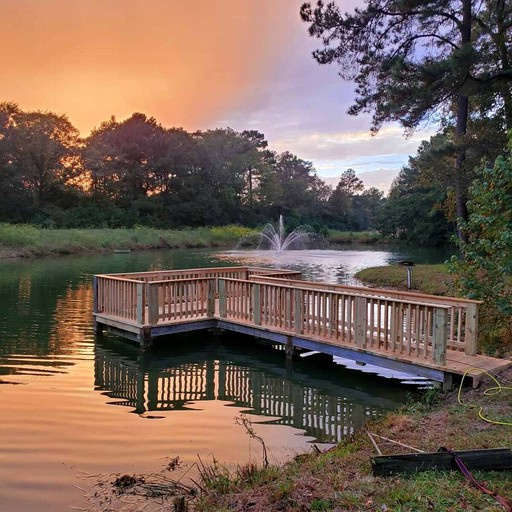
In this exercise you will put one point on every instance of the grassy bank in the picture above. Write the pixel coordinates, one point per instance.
(341, 478)
(431, 279)
(23, 240)
(27, 240)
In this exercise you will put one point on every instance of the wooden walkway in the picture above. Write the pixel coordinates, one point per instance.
(429, 336)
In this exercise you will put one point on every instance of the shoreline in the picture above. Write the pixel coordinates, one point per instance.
(26, 241)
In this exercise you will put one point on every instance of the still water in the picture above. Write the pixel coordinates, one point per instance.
(72, 408)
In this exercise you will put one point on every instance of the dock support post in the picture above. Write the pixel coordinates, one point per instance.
(440, 335)
(447, 382)
(289, 348)
(145, 338)
(97, 328)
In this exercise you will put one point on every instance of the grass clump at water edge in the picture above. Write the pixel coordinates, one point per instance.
(429, 279)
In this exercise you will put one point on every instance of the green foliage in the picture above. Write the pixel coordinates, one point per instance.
(414, 210)
(485, 270)
(19, 236)
(412, 60)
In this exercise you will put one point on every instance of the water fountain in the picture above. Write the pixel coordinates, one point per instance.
(278, 240)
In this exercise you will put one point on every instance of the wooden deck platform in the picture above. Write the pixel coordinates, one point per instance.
(428, 336)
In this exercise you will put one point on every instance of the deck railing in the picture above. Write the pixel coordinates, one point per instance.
(462, 314)
(389, 325)
(383, 321)
(119, 297)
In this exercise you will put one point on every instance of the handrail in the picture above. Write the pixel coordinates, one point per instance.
(386, 324)
(462, 319)
(375, 291)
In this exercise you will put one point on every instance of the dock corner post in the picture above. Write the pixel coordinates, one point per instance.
(289, 349)
(440, 335)
(223, 306)
(471, 331)
(95, 294)
(361, 321)
(97, 328)
(141, 303)
(447, 382)
(256, 303)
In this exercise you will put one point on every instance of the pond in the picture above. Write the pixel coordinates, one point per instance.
(73, 408)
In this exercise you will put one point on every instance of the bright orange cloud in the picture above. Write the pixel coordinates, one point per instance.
(183, 61)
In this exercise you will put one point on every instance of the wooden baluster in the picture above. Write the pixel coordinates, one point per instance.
(361, 321)
(298, 311)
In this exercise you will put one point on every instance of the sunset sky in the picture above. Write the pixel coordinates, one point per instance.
(195, 64)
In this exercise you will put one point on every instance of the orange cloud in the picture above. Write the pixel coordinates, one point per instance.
(183, 61)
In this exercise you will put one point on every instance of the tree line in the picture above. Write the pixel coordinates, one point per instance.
(137, 172)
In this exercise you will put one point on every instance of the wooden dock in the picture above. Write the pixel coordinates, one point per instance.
(424, 335)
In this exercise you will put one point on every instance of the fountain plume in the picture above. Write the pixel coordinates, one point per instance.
(278, 240)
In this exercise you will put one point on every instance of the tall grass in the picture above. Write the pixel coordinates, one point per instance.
(27, 240)
(350, 237)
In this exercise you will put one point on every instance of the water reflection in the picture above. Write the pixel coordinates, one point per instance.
(335, 266)
(326, 403)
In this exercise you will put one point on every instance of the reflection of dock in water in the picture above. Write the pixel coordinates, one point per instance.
(322, 409)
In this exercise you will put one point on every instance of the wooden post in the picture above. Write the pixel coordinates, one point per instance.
(289, 350)
(211, 298)
(361, 321)
(222, 298)
(298, 311)
(256, 303)
(470, 334)
(97, 327)
(440, 335)
(95, 294)
(447, 382)
(141, 303)
(152, 304)
(145, 338)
